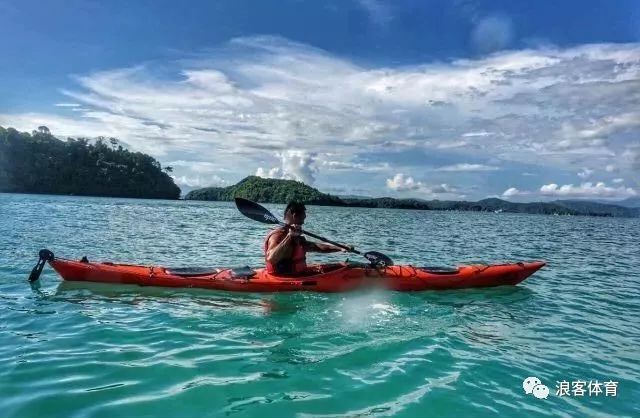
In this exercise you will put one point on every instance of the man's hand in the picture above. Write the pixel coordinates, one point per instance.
(294, 230)
(348, 249)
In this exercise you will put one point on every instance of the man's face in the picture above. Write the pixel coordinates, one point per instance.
(296, 218)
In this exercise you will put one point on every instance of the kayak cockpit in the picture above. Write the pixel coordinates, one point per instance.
(244, 271)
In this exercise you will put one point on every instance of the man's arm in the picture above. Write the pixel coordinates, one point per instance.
(277, 247)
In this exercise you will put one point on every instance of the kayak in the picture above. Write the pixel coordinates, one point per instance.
(336, 277)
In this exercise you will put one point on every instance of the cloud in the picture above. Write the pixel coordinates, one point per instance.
(273, 173)
(200, 181)
(201, 167)
(618, 181)
(587, 189)
(298, 165)
(492, 33)
(585, 173)
(295, 165)
(352, 166)
(609, 125)
(476, 134)
(465, 167)
(401, 183)
(67, 105)
(244, 104)
(510, 192)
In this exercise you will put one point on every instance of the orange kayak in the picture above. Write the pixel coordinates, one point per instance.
(339, 277)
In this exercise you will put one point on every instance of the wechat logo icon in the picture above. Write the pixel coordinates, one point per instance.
(533, 386)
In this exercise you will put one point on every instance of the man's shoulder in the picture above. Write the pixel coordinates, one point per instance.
(278, 233)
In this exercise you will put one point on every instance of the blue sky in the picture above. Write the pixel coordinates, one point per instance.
(432, 99)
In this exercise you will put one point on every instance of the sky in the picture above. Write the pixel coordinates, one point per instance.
(459, 99)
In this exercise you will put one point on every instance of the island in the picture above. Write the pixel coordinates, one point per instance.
(41, 163)
(265, 190)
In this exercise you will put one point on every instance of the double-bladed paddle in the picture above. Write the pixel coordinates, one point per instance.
(259, 213)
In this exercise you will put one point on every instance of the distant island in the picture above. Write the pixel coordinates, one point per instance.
(282, 191)
(41, 163)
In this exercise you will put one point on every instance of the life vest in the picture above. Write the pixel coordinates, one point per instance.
(295, 265)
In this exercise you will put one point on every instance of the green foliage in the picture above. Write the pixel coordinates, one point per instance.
(266, 191)
(598, 209)
(41, 163)
(282, 191)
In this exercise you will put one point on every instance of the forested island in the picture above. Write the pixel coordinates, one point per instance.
(282, 191)
(41, 163)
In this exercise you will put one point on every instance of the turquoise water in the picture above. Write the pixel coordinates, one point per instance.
(91, 350)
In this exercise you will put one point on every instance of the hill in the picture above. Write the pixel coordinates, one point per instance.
(266, 191)
(596, 208)
(41, 163)
(282, 191)
(631, 202)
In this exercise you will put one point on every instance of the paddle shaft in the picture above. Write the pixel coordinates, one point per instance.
(328, 241)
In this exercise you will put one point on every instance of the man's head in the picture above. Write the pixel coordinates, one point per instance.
(294, 213)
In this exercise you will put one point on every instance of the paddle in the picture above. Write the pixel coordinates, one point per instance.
(261, 214)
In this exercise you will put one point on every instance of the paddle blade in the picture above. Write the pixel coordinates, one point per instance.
(255, 211)
(378, 259)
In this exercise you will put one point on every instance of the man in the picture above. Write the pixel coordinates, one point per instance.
(285, 248)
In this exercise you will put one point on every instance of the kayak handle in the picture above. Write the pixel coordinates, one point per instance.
(44, 256)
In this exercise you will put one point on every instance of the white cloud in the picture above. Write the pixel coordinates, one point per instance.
(273, 173)
(475, 134)
(298, 165)
(510, 192)
(587, 189)
(351, 166)
(464, 167)
(202, 167)
(585, 173)
(67, 105)
(618, 181)
(200, 181)
(294, 165)
(610, 168)
(401, 183)
(610, 124)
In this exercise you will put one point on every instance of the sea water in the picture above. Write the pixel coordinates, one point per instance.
(96, 350)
